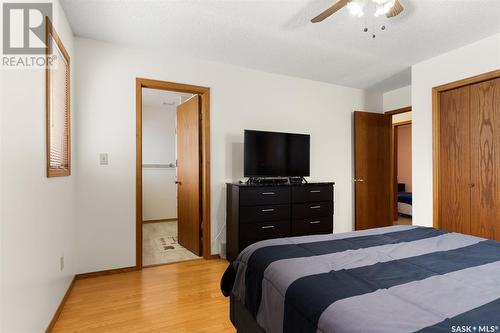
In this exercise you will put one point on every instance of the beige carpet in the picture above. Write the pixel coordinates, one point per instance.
(160, 246)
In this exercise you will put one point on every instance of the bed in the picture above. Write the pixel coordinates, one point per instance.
(392, 279)
(405, 203)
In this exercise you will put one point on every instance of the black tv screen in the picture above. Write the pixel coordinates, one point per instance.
(273, 154)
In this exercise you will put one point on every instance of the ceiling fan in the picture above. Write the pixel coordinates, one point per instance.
(389, 8)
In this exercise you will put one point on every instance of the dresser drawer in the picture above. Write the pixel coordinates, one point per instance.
(312, 193)
(264, 230)
(312, 210)
(265, 195)
(320, 225)
(253, 214)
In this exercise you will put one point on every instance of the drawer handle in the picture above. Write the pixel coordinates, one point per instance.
(268, 193)
(315, 207)
(314, 222)
(315, 191)
(267, 227)
(268, 210)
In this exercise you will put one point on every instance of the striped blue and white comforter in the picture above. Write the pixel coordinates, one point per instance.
(394, 279)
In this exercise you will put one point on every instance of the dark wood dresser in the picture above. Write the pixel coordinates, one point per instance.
(256, 212)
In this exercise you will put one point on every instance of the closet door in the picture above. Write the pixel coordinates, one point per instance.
(485, 159)
(454, 161)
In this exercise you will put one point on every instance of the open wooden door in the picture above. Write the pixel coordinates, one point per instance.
(188, 174)
(373, 170)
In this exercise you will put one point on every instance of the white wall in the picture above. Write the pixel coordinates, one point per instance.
(158, 147)
(240, 98)
(397, 99)
(37, 213)
(477, 58)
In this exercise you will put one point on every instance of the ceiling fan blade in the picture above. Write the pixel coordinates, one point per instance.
(330, 11)
(396, 9)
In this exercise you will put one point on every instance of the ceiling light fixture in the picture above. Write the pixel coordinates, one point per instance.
(356, 7)
(378, 8)
(384, 6)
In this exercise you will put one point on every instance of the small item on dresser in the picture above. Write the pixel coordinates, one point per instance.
(297, 180)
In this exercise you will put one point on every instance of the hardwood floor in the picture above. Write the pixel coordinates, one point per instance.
(180, 297)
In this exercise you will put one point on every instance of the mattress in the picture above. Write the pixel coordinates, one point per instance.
(404, 208)
(393, 279)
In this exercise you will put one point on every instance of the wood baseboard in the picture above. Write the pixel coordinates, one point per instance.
(56, 315)
(105, 272)
(158, 221)
(60, 307)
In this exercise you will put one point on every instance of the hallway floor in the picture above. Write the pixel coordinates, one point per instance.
(403, 220)
(160, 244)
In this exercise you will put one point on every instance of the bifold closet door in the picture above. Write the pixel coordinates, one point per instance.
(454, 161)
(485, 158)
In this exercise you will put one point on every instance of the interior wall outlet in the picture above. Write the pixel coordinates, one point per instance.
(103, 159)
(61, 263)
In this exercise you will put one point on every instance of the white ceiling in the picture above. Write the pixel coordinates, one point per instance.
(276, 35)
(162, 98)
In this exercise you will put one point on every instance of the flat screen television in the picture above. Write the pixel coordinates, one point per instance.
(273, 154)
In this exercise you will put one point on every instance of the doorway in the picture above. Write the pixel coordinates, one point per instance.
(376, 175)
(172, 172)
(402, 166)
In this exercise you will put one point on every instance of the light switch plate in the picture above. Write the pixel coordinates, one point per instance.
(103, 159)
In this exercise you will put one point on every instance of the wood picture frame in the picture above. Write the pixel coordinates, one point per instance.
(58, 115)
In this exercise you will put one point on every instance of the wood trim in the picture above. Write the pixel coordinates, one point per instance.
(172, 86)
(402, 123)
(56, 315)
(436, 102)
(468, 81)
(397, 111)
(394, 171)
(214, 257)
(159, 221)
(105, 272)
(204, 93)
(138, 175)
(172, 263)
(435, 157)
(50, 32)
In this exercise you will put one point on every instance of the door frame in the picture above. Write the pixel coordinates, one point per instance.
(436, 113)
(204, 93)
(393, 171)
